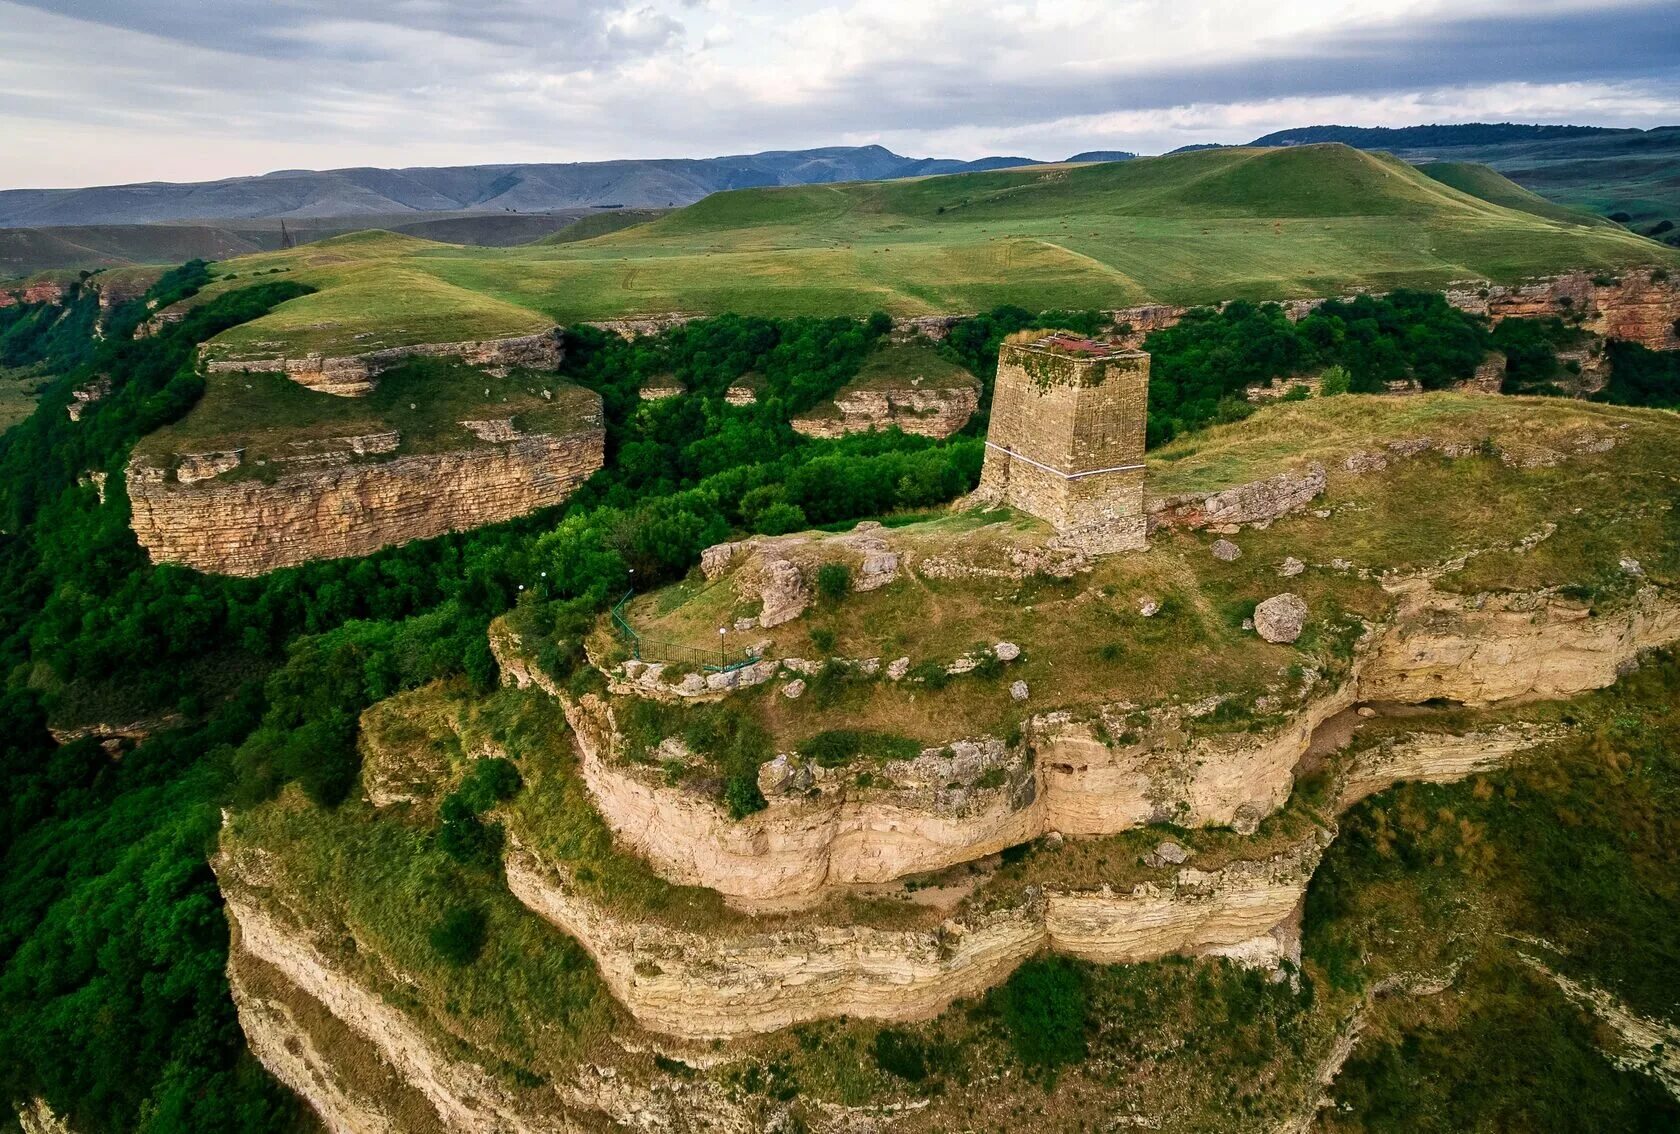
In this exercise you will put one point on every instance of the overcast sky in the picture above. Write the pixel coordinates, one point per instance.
(104, 91)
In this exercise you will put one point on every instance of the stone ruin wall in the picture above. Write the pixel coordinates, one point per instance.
(1056, 422)
(356, 375)
(248, 527)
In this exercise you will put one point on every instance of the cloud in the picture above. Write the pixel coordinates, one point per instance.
(158, 89)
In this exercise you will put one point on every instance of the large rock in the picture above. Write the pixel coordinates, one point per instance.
(1225, 551)
(783, 591)
(1281, 617)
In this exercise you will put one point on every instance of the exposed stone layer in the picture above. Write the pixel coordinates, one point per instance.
(699, 986)
(1634, 306)
(464, 1096)
(1471, 649)
(247, 526)
(357, 374)
(1257, 502)
(930, 412)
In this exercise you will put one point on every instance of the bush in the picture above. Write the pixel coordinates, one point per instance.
(900, 1053)
(1335, 380)
(466, 838)
(781, 518)
(834, 581)
(741, 795)
(840, 746)
(491, 781)
(1044, 1007)
(459, 937)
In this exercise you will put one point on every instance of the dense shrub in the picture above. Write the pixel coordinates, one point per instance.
(460, 936)
(1044, 1008)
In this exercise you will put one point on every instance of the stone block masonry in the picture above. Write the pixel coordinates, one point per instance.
(1066, 439)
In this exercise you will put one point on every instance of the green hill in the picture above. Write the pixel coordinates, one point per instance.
(1185, 228)
(1489, 184)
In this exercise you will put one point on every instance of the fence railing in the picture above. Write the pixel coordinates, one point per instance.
(643, 648)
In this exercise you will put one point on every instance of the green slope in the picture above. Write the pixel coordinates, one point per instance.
(1489, 184)
(1185, 228)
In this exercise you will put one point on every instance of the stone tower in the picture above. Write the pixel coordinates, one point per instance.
(1066, 439)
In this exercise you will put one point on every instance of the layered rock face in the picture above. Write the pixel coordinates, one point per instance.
(355, 375)
(53, 293)
(827, 831)
(1636, 306)
(930, 412)
(700, 986)
(248, 527)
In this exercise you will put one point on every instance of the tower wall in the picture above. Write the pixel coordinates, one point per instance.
(1066, 439)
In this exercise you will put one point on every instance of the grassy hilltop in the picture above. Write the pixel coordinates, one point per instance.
(1185, 228)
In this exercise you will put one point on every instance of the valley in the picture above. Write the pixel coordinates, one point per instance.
(1180, 643)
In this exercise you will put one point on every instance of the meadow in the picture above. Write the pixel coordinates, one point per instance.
(1185, 228)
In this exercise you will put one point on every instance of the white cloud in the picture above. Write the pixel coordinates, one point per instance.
(151, 89)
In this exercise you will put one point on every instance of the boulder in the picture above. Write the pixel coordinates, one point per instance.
(783, 592)
(1006, 651)
(1226, 551)
(716, 558)
(1149, 606)
(879, 569)
(1291, 567)
(1018, 690)
(897, 668)
(794, 689)
(1281, 617)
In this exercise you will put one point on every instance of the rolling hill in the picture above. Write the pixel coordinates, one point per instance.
(1186, 228)
(1604, 171)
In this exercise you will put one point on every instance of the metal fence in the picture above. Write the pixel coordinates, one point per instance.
(643, 648)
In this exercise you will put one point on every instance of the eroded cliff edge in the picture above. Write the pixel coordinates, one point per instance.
(249, 526)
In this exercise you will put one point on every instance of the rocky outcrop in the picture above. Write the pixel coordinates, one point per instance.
(638, 325)
(1437, 758)
(249, 526)
(1101, 776)
(701, 986)
(1480, 649)
(820, 828)
(355, 375)
(86, 395)
(928, 411)
(463, 1095)
(41, 292)
(1638, 306)
(1257, 502)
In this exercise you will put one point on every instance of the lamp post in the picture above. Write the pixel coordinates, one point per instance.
(721, 631)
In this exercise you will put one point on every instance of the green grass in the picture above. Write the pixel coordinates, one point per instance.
(896, 365)
(1186, 228)
(425, 401)
(1483, 181)
(19, 389)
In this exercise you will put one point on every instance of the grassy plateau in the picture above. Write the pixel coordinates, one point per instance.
(1185, 228)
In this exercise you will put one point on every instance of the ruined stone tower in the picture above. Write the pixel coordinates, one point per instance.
(1066, 439)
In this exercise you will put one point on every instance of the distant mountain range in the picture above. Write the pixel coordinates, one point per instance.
(339, 193)
(1408, 137)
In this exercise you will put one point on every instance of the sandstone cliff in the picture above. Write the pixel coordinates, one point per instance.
(1069, 775)
(702, 986)
(247, 526)
(930, 412)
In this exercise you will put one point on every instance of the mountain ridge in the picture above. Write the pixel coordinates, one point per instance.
(500, 187)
